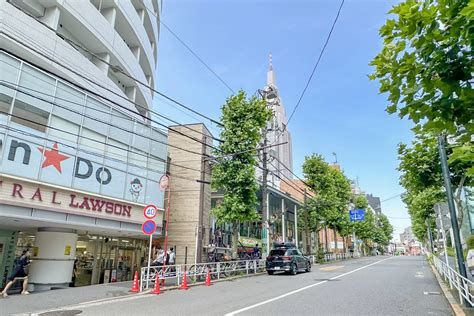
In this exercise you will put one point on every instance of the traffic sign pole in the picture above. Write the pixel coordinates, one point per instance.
(167, 221)
(149, 263)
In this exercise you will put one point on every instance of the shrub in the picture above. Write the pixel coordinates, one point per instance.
(470, 242)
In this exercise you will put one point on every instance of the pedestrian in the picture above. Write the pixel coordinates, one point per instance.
(74, 274)
(19, 271)
(256, 252)
(172, 257)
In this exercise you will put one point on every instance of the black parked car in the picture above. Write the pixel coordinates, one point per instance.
(286, 257)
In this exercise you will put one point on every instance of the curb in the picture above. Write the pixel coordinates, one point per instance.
(455, 306)
(130, 296)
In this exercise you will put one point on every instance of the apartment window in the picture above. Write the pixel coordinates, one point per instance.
(37, 87)
(29, 116)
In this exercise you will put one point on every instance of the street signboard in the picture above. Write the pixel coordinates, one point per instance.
(443, 223)
(149, 227)
(150, 211)
(441, 208)
(356, 215)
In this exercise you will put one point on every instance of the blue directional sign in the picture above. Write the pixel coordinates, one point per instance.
(356, 215)
(149, 227)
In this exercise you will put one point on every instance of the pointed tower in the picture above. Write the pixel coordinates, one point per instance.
(280, 156)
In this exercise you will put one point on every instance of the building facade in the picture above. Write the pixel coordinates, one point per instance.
(79, 156)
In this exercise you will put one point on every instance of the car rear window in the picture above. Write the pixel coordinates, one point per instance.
(277, 252)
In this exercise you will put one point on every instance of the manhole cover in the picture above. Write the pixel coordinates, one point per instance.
(62, 313)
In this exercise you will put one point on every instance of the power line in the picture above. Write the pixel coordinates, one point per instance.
(95, 93)
(317, 62)
(103, 87)
(128, 118)
(107, 157)
(91, 118)
(191, 50)
(197, 56)
(116, 68)
(313, 71)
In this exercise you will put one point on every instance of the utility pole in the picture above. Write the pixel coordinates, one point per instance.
(452, 209)
(265, 208)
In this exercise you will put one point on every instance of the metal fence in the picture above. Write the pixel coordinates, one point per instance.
(334, 257)
(174, 274)
(462, 284)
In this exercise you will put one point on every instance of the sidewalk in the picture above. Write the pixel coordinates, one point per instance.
(20, 304)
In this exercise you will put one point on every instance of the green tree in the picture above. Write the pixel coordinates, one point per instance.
(426, 67)
(422, 179)
(332, 194)
(242, 121)
(366, 229)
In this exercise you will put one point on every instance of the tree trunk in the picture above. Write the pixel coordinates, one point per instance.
(235, 239)
(308, 240)
(335, 240)
(316, 241)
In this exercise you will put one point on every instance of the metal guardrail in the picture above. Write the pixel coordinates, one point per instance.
(174, 274)
(462, 284)
(334, 257)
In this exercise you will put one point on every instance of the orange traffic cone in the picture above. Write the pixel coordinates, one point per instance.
(157, 290)
(184, 285)
(208, 278)
(135, 283)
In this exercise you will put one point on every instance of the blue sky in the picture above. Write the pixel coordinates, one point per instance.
(341, 112)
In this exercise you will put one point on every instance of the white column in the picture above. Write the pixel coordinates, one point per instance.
(296, 226)
(55, 253)
(283, 228)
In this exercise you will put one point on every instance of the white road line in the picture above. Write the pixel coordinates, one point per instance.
(300, 289)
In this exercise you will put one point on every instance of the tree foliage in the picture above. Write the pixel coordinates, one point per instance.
(332, 193)
(422, 179)
(242, 121)
(426, 67)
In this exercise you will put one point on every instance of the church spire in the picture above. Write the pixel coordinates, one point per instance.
(270, 74)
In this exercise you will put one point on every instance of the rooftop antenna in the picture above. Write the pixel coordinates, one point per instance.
(335, 157)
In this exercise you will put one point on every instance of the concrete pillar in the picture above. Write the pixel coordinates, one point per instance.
(52, 265)
(131, 92)
(51, 17)
(102, 62)
(136, 52)
(110, 15)
(141, 14)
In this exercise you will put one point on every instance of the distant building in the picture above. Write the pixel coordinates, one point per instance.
(374, 203)
(281, 160)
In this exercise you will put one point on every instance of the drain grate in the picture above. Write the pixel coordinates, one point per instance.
(71, 312)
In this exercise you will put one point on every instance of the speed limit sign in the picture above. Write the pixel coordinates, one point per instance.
(150, 211)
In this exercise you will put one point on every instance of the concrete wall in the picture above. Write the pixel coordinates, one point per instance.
(190, 200)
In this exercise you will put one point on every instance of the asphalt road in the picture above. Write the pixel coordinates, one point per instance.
(368, 286)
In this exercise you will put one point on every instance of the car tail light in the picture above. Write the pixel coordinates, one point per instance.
(286, 258)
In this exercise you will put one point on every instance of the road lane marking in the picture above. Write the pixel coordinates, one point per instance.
(300, 289)
(331, 268)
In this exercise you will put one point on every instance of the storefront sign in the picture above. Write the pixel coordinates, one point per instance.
(23, 193)
(67, 250)
(249, 241)
(60, 164)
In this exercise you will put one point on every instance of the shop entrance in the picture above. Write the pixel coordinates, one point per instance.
(102, 259)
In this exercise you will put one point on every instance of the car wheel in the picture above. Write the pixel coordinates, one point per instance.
(308, 267)
(270, 272)
(294, 269)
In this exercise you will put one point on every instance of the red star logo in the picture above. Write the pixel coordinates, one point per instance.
(53, 157)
